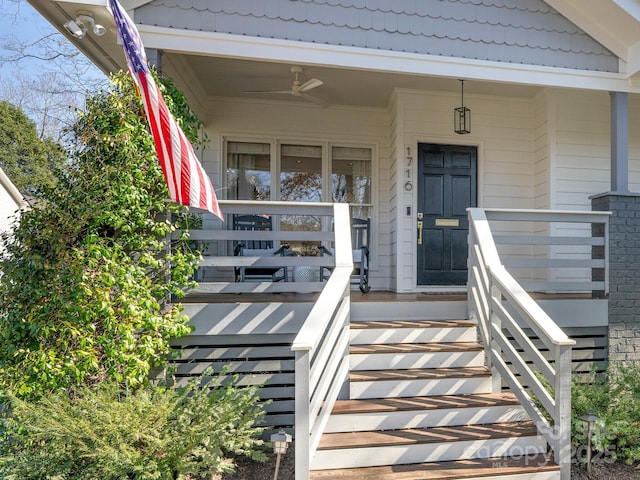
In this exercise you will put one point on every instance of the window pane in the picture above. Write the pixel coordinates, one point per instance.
(248, 171)
(301, 173)
(351, 179)
(300, 181)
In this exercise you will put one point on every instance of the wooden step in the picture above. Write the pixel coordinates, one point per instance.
(534, 467)
(390, 447)
(351, 440)
(394, 348)
(415, 355)
(412, 331)
(424, 412)
(421, 403)
(416, 382)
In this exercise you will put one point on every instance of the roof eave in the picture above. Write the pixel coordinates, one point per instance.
(276, 50)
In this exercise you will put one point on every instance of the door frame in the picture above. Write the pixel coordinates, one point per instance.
(411, 162)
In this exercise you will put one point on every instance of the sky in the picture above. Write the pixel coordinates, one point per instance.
(19, 20)
(45, 90)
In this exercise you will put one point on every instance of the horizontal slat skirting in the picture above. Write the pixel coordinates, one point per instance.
(243, 352)
(268, 392)
(248, 367)
(591, 348)
(238, 339)
(268, 378)
(280, 406)
(263, 360)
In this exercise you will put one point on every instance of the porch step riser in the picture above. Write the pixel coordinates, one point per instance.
(442, 310)
(522, 476)
(432, 475)
(419, 387)
(360, 422)
(382, 361)
(373, 336)
(418, 453)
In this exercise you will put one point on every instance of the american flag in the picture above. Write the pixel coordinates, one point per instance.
(187, 181)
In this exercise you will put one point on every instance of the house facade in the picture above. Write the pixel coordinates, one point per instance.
(538, 81)
(354, 101)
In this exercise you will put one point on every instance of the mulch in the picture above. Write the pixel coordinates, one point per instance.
(606, 471)
(247, 469)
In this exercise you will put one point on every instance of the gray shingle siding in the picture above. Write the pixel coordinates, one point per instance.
(515, 31)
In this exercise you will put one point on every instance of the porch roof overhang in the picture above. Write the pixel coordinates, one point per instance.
(222, 65)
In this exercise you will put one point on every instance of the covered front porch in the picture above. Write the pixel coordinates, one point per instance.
(529, 271)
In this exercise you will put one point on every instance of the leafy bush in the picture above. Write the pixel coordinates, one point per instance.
(153, 433)
(86, 273)
(615, 399)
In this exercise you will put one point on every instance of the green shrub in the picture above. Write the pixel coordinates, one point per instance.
(85, 273)
(153, 433)
(615, 399)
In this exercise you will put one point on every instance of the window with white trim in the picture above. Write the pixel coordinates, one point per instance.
(297, 174)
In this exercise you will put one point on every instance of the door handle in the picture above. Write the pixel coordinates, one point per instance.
(419, 232)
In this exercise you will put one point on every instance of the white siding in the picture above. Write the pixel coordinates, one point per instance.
(502, 128)
(582, 165)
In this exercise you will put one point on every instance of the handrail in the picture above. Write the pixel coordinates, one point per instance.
(500, 305)
(321, 347)
(321, 350)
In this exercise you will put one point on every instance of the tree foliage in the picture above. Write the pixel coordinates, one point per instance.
(86, 273)
(28, 160)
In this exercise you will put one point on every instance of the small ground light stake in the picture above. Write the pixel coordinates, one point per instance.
(281, 441)
(589, 419)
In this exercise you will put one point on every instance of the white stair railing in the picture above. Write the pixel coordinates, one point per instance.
(502, 308)
(322, 350)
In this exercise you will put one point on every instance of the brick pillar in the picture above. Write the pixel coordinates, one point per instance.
(624, 273)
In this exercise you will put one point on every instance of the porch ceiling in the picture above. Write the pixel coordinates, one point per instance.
(227, 77)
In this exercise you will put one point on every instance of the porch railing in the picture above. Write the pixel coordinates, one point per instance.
(217, 245)
(322, 351)
(502, 308)
(321, 346)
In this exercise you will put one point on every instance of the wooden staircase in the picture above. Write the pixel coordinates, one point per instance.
(420, 406)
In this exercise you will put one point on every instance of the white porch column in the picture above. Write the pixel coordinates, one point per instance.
(619, 142)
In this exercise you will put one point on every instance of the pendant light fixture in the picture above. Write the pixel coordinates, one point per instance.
(462, 115)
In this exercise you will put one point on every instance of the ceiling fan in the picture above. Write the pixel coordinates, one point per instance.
(298, 89)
